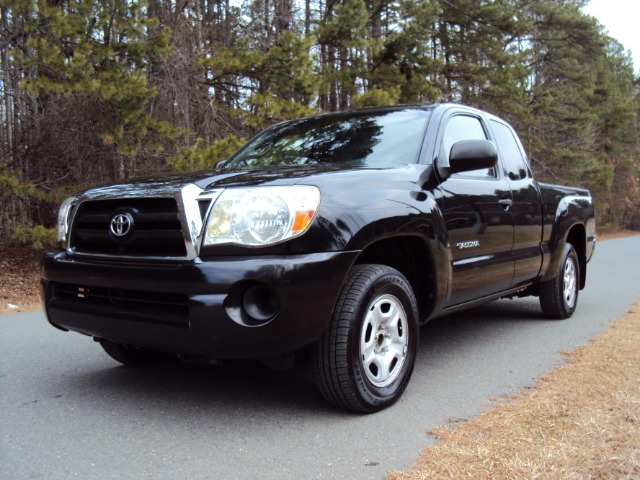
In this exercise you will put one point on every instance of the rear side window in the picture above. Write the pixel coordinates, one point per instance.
(511, 153)
(465, 127)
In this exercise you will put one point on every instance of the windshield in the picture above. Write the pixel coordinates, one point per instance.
(373, 139)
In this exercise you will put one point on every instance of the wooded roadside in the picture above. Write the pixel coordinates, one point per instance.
(94, 92)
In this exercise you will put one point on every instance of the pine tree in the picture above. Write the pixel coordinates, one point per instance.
(94, 90)
(85, 97)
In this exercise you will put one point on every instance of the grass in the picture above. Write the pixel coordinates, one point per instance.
(582, 420)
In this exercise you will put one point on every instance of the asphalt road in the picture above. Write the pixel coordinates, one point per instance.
(69, 411)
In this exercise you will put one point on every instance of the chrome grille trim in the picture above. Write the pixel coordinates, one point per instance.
(187, 197)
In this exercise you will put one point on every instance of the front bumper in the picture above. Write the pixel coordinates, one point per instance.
(200, 308)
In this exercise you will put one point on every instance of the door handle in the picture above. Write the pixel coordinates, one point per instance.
(505, 203)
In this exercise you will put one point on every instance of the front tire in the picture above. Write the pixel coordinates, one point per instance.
(559, 296)
(135, 356)
(365, 358)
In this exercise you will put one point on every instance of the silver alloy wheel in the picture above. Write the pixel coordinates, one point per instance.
(569, 283)
(384, 340)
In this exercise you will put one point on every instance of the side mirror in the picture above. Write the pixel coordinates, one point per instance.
(467, 155)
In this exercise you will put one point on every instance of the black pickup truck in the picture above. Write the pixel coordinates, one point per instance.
(336, 235)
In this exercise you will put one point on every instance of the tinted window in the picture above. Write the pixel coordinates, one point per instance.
(510, 151)
(364, 138)
(463, 127)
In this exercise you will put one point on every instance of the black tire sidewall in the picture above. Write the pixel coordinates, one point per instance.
(392, 283)
(552, 298)
(569, 254)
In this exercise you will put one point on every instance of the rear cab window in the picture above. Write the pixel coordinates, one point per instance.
(511, 152)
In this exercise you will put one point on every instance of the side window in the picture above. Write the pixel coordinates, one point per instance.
(510, 151)
(464, 127)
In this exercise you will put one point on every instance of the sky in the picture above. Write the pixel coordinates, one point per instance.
(620, 19)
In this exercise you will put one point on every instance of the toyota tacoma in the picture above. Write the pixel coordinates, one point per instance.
(337, 235)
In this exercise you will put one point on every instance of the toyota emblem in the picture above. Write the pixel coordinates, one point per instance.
(121, 224)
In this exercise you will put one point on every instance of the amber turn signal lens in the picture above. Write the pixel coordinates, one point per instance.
(302, 220)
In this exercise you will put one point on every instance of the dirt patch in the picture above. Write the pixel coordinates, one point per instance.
(19, 287)
(582, 420)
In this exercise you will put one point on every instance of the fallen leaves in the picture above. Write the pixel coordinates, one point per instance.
(20, 273)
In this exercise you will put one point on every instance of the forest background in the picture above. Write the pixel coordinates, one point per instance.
(95, 91)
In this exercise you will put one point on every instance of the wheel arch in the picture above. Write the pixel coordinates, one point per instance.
(411, 256)
(574, 233)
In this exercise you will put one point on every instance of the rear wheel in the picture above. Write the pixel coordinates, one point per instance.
(366, 356)
(559, 296)
(134, 356)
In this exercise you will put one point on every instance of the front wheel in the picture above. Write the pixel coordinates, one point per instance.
(366, 356)
(559, 295)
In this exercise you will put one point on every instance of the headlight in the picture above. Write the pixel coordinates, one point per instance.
(63, 220)
(262, 215)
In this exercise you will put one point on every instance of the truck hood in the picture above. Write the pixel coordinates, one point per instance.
(269, 176)
(324, 176)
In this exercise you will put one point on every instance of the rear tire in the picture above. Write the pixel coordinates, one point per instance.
(559, 296)
(365, 358)
(134, 356)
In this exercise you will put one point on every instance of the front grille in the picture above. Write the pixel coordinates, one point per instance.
(155, 231)
(140, 305)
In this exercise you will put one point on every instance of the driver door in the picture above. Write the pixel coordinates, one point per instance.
(476, 206)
